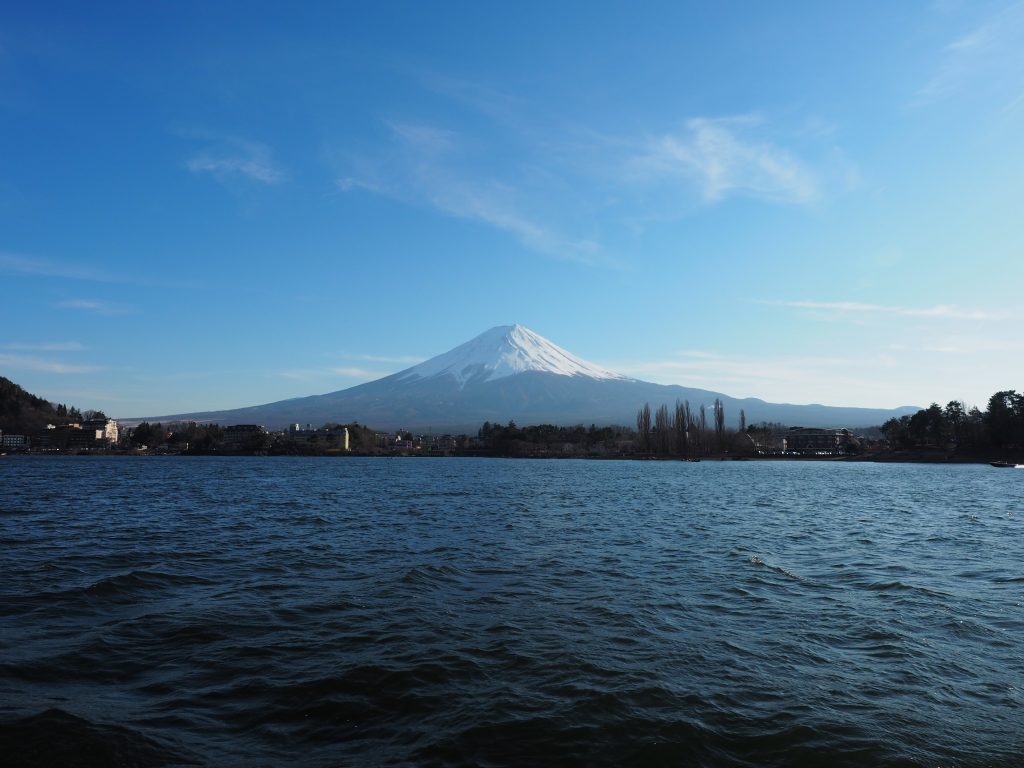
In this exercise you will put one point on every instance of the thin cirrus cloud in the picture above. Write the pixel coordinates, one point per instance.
(32, 363)
(785, 379)
(938, 311)
(360, 372)
(356, 372)
(301, 374)
(346, 371)
(94, 306)
(398, 359)
(991, 53)
(712, 158)
(427, 169)
(13, 263)
(721, 159)
(45, 346)
(869, 380)
(708, 367)
(490, 205)
(238, 158)
(33, 267)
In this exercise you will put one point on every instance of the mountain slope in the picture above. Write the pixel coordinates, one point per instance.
(24, 413)
(510, 372)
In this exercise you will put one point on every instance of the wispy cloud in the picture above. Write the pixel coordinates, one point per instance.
(349, 371)
(429, 166)
(334, 372)
(914, 364)
(301, 374)
(25, 265)
(870, 379)
(399, 359)
(695, 366)
(355, 372)
(912, 355)
(18, 264)
(722, 159)
(964, 345)
(94, 306)
(45, 346)
(424, 138)
(238, 158)
(570, 192)
(785, 378)
(491, 205)
(485, 99)
(992, 51)
(939, 310)
(30, 363)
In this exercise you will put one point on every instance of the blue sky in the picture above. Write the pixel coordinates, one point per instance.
(213, 205)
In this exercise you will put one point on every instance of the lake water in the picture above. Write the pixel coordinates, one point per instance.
(434, 612)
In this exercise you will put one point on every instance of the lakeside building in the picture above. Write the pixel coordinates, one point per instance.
(812, 440)
(399, 441)
(104, 431)
(331, 438)
(237, 435)
(87, 435)
(13, 442)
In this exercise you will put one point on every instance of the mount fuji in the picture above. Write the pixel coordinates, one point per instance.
(510, 372)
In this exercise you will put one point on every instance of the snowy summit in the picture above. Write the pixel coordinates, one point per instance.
(505, 351)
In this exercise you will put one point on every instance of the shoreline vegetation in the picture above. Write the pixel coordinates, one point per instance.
(953, 434)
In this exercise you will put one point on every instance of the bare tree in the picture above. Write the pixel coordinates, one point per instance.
(682, 424)
(719, 425)
(643, 427)
(703, 429)
(662, 429)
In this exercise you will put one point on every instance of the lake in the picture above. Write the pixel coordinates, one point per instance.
(443, 612)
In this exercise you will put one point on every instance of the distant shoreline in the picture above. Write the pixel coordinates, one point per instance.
(889, 457)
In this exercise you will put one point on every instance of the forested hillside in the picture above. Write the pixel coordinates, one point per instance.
(24, 413)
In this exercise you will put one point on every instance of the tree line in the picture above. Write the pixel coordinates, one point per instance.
(511, 440)
(685, 431)
(679, 430)
(999, 427)
(198, 437)
(191, 437)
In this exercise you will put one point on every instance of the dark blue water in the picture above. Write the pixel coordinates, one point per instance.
(495, 612)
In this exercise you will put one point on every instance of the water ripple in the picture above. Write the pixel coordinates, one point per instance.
(485, 612)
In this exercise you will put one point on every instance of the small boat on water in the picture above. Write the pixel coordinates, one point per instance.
(1004, 464)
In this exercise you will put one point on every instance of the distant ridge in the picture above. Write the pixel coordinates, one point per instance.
(511, 372)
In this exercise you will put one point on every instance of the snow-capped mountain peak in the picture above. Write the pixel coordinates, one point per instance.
(505, 351)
